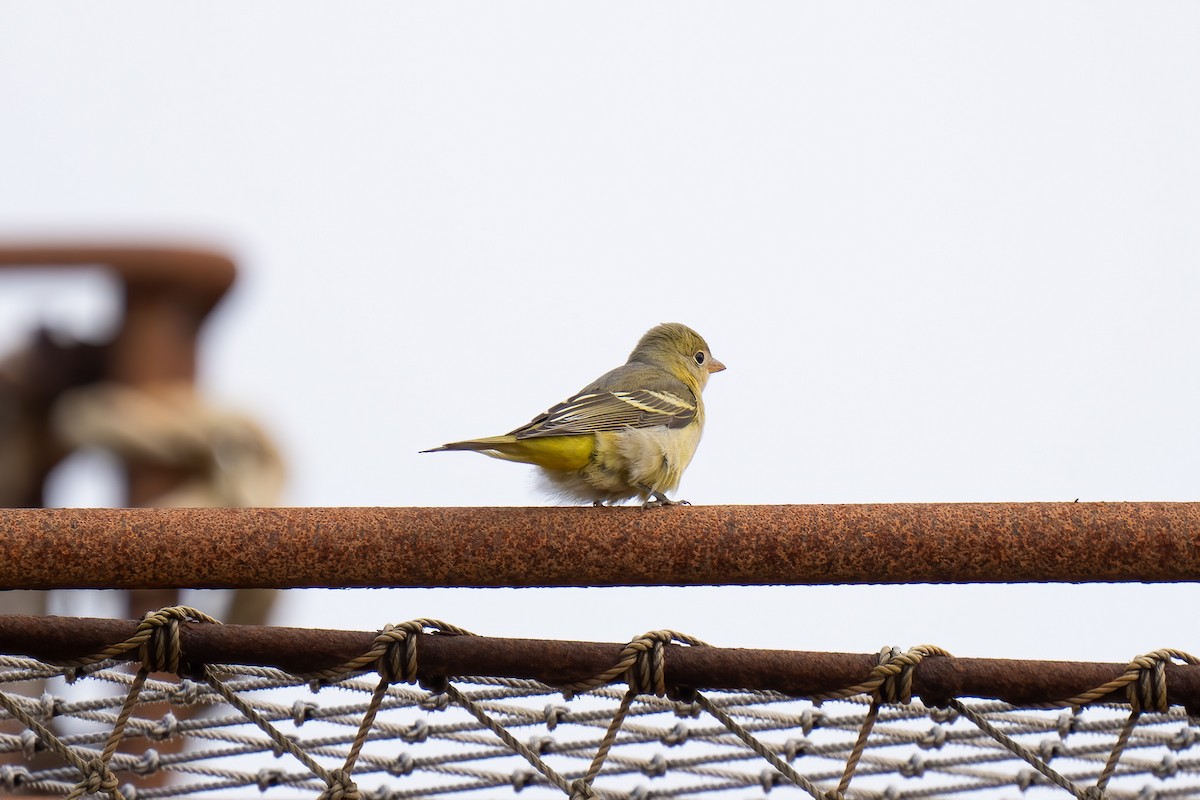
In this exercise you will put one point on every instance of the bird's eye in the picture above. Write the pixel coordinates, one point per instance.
(699, 356)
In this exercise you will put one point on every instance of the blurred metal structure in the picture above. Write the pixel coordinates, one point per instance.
(134, 395)
(168, 294)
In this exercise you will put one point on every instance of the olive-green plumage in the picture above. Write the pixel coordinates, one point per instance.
(630, 433)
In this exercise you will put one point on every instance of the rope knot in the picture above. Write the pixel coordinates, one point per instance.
(933, 739)
(541, 744)
(1067, 721)
(12, 777)
(415, 733)
(656, 767)
(31, 745)
(302, 711)
(165, 729)
(795, 747)
(641, 665)
(554, 714)
(47, 706)
(1027, 778)
(894, 671)
(97, 778)
(676, 736)
(647, 673)
(401, 765)
(186, 694)
(768, 779)
(521, 778)
(148, 764)
(158, 637)
(582, 790)
(1184, 738)
(1148, 692)
(895, 685)
(914, 767)
(1144, 682)
(439, 701)
(341, 787)
(268, 777)
(1167, 768)
(398, 664)
(396, 648)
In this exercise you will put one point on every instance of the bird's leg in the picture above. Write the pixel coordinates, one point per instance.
(659, 499)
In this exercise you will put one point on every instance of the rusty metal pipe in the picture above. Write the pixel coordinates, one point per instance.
(698, 545)
(304, 650)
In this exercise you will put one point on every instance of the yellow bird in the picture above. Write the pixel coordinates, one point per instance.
(630, 433)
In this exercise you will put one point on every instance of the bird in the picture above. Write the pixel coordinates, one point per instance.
(630, 433)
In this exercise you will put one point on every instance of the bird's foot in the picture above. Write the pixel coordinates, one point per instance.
(658, 500)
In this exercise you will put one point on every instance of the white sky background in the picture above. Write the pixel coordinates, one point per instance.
(948, 251)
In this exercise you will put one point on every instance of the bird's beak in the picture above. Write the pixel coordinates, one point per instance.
(714, 366)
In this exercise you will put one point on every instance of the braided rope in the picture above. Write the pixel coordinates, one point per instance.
(1110, 765)
(649, 678)
(509, 740)
(161, 651)
(161, 655)
(885, 656)
(1017, 749)
(1134, 681)
(282, 742)
(96, 776)
(393, 652)
(893, 678)
(158, 652)
(1146, 690)
(758, 747)
(397, 663)
(610, 736)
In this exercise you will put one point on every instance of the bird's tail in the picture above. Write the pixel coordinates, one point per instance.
(494, 446)
(551, 452)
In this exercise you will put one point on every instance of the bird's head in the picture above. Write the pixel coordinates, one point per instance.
(680, 350)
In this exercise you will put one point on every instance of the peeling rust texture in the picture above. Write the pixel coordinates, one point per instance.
(694, 545)
(801, 674)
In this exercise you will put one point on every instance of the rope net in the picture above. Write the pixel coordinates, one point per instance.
(366, 728)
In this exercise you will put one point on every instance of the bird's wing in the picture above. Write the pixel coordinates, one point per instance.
(591, 412)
